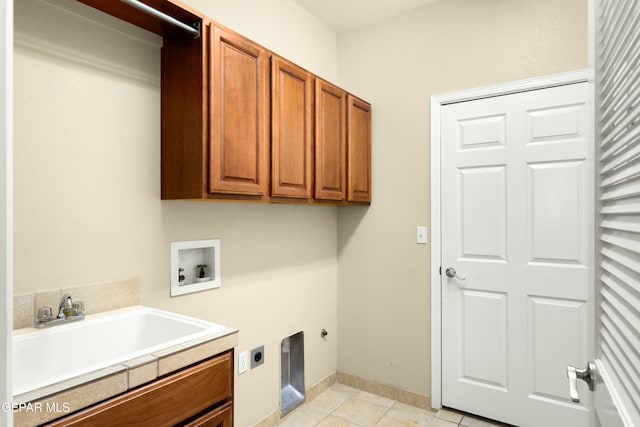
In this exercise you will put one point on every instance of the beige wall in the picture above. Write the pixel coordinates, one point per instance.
(87, 205)
(397, 64)
(283, 26)
(87, 186)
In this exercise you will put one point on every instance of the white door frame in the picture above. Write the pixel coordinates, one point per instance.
(437, 102)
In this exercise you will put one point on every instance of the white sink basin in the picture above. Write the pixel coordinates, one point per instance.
(47, 356)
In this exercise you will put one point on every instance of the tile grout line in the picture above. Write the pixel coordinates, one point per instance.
(386, 412)
(351, 397)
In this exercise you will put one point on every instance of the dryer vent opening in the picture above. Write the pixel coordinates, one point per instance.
(292, 392)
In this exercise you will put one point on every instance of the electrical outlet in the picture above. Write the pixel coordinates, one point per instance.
(243, 362)
(257, 356)
(421, 235)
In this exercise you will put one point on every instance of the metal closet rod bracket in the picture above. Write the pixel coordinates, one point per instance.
(193, 30)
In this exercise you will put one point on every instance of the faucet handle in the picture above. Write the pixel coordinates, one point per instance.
(45, 314)
(78, 306)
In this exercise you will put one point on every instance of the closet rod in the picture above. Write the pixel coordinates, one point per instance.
(171, 20)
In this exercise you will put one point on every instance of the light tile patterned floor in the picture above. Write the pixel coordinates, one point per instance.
(342, 406)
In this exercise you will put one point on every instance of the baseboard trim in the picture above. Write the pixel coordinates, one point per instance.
(390, 392)
(270, 420)
(403, 396)
(311, 393)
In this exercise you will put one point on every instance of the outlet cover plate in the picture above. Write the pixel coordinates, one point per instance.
(421, 235)
(243, 362)
(257, 356)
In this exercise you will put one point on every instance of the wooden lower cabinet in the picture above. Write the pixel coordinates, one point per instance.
(201, 395)
(219, 417)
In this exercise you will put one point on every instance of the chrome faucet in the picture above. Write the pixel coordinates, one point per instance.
(68, 311)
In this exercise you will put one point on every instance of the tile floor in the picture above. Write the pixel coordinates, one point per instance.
(342, 406)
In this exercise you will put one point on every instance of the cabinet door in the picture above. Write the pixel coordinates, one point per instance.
(239, 115)
(291, 130)
(358, 150)
(166, 401)
(330, 150)
(220, 417)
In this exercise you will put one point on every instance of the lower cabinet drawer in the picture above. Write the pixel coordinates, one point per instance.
(219, 417)
(165, 402)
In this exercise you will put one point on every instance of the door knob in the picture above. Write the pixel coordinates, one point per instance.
(451, 272)
(588, 375)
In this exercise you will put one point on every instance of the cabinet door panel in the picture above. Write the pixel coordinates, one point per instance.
(163, 402)
(291, 130)
(238, 155)
(330, 141)
(359, 151)
(221, 417)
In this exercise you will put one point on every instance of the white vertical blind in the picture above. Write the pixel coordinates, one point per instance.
(618, 102)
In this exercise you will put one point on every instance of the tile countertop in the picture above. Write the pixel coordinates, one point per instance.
(57, 400)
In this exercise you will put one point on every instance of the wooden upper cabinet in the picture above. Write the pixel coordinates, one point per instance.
(331, 138)
(358, 150)
(291, 130)
(239, 97)
(184, 114)
(241, 123)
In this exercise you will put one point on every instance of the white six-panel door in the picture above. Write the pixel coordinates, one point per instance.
(517, 219)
